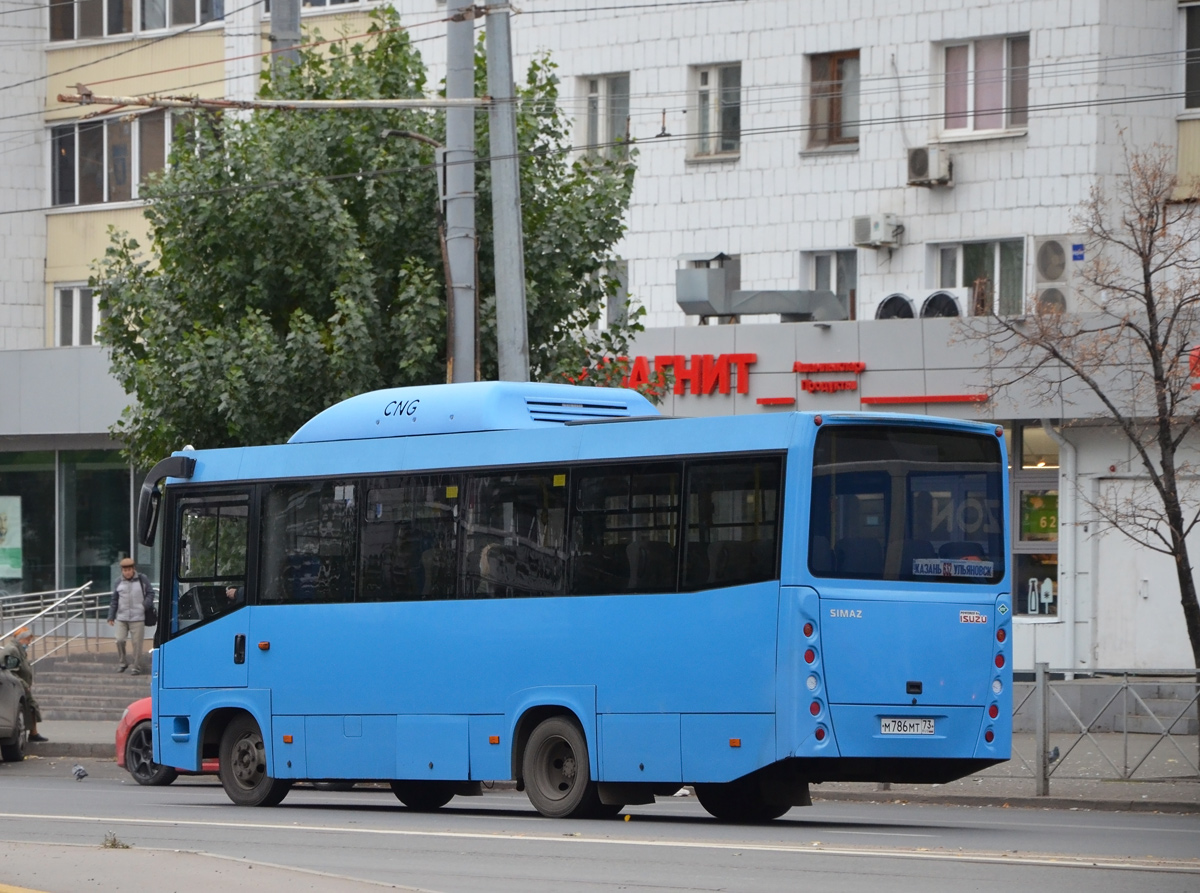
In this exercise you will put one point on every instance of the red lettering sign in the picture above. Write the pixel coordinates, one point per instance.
(856, 368)
(701, 373)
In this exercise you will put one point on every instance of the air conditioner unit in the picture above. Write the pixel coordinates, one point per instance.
(876, 231)
(930, 166)
(1054, 261)
(895, 306)
(945, 302)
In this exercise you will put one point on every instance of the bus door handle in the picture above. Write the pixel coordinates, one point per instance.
(239, 649)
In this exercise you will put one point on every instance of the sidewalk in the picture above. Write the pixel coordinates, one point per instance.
(1086, 777)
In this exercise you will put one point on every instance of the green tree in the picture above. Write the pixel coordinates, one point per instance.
(295, 259)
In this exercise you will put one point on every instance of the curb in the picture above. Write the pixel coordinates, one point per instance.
(67, 749)
(1019, 802)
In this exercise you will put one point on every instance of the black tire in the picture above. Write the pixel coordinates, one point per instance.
(15, 752)
(243, 766)
(333, 785)
(738, 801)
(423, 796)
(139, 758)
(557, 774)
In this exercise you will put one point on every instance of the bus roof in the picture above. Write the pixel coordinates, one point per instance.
(469, 406)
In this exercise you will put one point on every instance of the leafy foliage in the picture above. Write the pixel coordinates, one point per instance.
(295, 257)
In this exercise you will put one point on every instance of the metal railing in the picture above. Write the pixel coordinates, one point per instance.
(60, 619)
(1112, 725)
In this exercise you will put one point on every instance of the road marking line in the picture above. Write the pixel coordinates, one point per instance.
(992, 858)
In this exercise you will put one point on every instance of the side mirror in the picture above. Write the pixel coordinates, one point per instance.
(11, 662)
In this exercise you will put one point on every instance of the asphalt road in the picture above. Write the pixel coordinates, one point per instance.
(188, 837)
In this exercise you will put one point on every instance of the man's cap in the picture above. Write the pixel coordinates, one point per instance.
(128, 562)
(22, 633)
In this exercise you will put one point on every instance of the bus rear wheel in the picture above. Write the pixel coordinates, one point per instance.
(557, 774)
(738, 801)
(423, 796)
(243, 766)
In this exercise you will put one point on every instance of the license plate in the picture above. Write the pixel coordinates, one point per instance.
(889, 725)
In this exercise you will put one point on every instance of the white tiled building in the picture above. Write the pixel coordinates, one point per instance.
(951, 139)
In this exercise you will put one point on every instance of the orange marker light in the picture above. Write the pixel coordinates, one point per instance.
(735, 742)
(287, 739)
(493, 739)
(264, 646)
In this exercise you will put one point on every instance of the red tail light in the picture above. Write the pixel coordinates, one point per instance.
(1001, 635)
(810, 655)
(989, 736)
(993, 711)
(820, 734)
(999, 660)
(814, 708)
(808, 629)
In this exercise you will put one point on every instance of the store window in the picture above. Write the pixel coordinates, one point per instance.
(95, 517)
(1035, 517)
(986, 85)
(27, 522)
(834, 111)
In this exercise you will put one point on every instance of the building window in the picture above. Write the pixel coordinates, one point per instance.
(994, 271)
(606, 124)
(103, 161)
(987, 85)
(835, 111)
(106, 18)
(1191, 75)
(718, 109)
(78, 312)
(835, 271)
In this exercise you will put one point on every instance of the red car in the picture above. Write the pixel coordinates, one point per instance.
(135, 748)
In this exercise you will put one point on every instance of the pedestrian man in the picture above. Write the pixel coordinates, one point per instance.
(19, 646)
(131, 602)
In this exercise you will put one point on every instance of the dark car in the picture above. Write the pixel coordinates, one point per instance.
(14, 725)
(135, 748)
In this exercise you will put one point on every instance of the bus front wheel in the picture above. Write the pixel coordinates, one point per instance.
(243, 766)
(557, 773)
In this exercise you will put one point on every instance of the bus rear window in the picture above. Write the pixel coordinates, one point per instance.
(915, 504)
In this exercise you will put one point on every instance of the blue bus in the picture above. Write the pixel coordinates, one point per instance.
(438, 586)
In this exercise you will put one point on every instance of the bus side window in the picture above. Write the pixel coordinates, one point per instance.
(624, 532)
(308, 544)
(732, 522)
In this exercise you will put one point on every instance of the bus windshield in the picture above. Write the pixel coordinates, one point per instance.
(895, 503)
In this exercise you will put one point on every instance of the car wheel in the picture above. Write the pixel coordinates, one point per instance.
(139, 758)
(15, 752)
(243, 766)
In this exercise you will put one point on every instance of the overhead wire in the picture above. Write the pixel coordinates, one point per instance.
(250, 188)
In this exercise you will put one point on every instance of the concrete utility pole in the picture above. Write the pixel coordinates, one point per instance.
(285, 34)
(460, 192)
(512, 333)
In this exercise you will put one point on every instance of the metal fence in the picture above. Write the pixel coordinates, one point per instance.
(63, 621)
(1110, 725)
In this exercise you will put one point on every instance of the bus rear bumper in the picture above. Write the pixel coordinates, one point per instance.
(916, 732)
